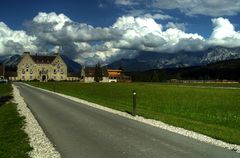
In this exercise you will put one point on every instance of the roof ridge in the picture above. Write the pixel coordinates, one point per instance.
(43, 59)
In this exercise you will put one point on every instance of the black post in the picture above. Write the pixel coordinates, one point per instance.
(54, 86)
(3, 70)
(134, 103)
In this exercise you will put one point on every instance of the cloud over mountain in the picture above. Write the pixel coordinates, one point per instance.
(144, 34)
(125, 38)
(12, 42)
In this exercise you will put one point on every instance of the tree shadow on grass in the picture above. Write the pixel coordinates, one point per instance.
(4, 99)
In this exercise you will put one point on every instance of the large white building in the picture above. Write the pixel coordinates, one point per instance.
(42, 68)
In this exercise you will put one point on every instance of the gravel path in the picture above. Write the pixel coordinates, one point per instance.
(42, 147)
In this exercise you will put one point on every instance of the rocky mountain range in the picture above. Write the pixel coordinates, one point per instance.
(154, 60)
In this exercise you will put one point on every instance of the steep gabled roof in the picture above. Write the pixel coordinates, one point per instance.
(43, 59)
(114, 73)
(90, 71)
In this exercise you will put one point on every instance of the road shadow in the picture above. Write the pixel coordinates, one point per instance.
(4, 99)
(129, 112)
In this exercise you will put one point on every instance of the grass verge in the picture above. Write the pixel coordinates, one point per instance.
(13, 140)
(210, 111)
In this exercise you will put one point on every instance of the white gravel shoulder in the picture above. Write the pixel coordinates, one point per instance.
(42, 147)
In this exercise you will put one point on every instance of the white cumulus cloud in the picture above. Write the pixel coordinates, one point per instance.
(124, 39)
(15, 42)
(55, 28)
(180, 26)
(144, 34)
(58, 20)
(224, 33)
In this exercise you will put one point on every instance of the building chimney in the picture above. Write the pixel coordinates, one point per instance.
(3, 69)
(55, 54)
(26, 53)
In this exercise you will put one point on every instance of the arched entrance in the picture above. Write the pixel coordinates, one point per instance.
(44, 78)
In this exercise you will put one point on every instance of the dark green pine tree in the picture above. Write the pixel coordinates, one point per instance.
(98, 73)
(155, 77)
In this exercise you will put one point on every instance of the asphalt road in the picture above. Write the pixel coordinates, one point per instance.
(80, 131)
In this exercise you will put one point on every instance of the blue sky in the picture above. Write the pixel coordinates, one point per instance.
(15, 12)
(97, 13)
(108, 30)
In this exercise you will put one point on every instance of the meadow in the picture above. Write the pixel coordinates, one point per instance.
(13, 140)
(210, 111)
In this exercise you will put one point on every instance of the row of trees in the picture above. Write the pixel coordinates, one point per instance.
(98, 75)
(191, 74)
(224, 70)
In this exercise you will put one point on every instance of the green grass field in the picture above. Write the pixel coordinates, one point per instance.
(210, 111)
(13, 140)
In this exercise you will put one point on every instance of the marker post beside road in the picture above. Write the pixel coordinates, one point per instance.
(134, 103)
